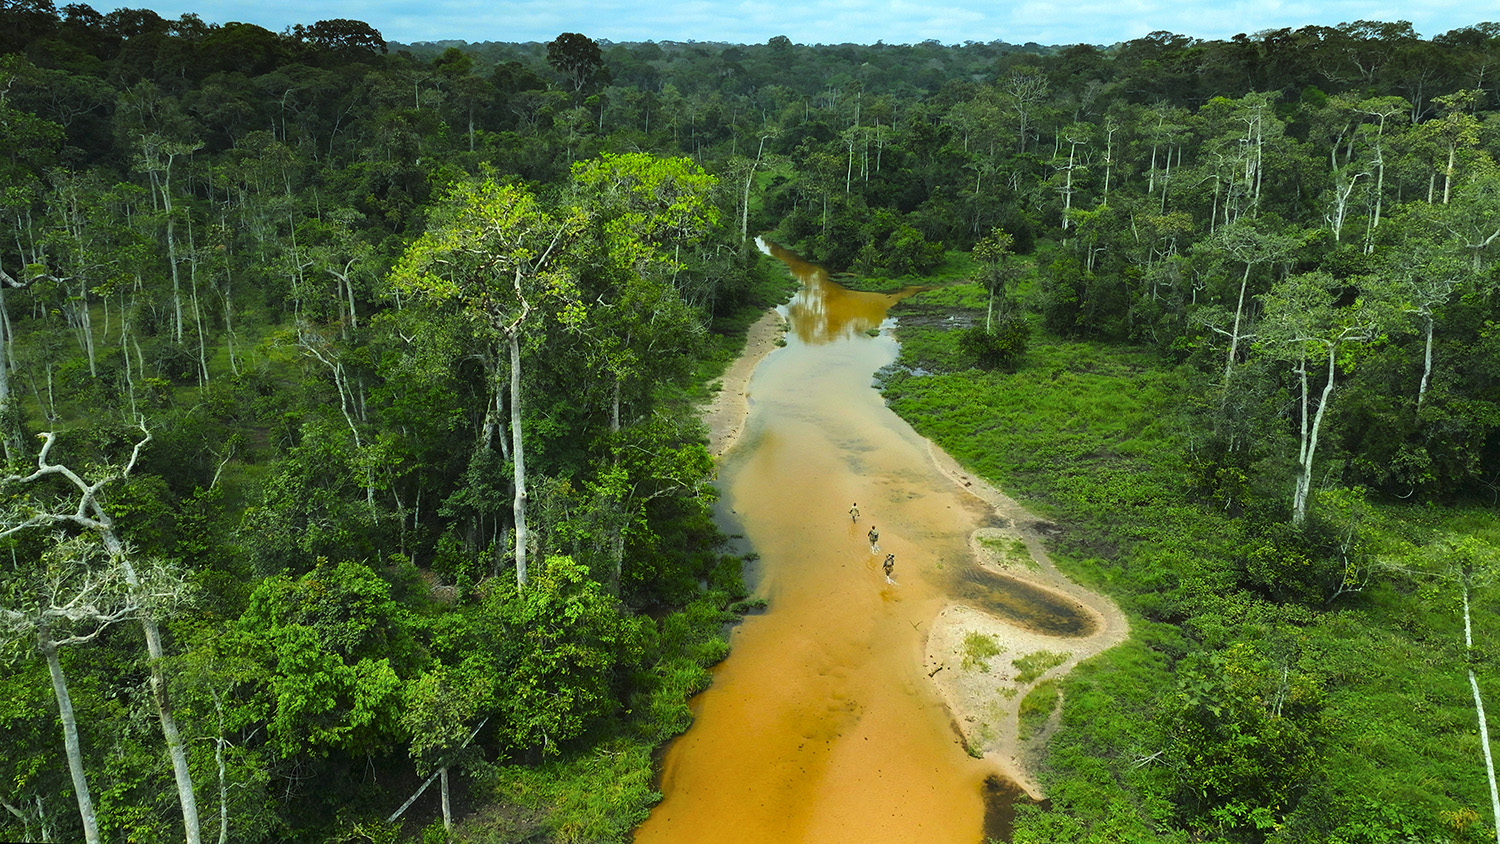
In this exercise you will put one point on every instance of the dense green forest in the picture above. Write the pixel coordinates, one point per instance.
(348, 402)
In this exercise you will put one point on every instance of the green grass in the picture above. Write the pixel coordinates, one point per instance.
(1090, 437)
(1011, 552)
(1036, 708)
(978, 648)
(1035, 664)
(597, 797)
(955, 271)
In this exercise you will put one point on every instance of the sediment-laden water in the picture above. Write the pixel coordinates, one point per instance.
(822, 725)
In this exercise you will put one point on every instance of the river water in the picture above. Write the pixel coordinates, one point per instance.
(822, 725)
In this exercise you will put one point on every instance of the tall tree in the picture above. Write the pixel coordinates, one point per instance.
(157, 159)
(439, 708)
(71, 602)
(82, 508)
(1473, 563)
(578, 58)
(501, 255)
(993, 252)
(1427, 279)
(1250, 242)
(1384, 112)
(1303, 323)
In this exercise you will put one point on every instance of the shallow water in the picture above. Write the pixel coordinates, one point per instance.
(822, 725)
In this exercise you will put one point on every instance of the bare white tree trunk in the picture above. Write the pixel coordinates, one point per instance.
(1234, 336)
(447, 805)
(10, 440)
(177, 326)
(1309, 444)
(1448, 173)
(219, 743)
(70, 738)
(175, 749)
(745, 202)
(86, 328)
(518, 454)
(197, 307)
(1484, 730)
(1426, 364)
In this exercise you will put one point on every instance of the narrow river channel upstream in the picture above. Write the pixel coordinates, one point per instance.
(823, 725)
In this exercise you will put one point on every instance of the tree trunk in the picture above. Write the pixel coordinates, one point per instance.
(849, 173)
(10, 439)
(1484, 730)
(1166, 178)
(1213, 217)
(173, 736)
(1234, 335)
(1448, 173)
(1375, 212)
(614, 408)
(518, 454)
(229, 328)
(1426, 364)
(1309, 445)
(175, 750)
(219, 743)
(349, 286)
(443, 771)
(1109, 160)
(125, 355)
(447, 804)
(176, 281)
(745, 203)
(197, 311)
(617, 550)
(9, 334)
(86, 328)
(70, 739)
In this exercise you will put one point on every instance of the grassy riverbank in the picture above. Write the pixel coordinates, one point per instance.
(1250, 704)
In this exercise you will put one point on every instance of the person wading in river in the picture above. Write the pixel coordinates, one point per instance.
(890, 566)
(874, 536)
(854, 511)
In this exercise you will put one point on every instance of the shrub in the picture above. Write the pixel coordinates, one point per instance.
(1000, 349)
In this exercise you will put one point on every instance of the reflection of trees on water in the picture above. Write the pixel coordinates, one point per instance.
(824, 311)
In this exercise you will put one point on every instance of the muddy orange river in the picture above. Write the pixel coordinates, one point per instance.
(822, 725)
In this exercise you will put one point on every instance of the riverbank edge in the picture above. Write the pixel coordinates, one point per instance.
(984, 696)
(725, 415)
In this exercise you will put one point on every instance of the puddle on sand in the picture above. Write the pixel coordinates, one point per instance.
(821, 726)
(1022, 604)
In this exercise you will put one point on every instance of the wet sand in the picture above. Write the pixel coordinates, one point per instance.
(828, 723)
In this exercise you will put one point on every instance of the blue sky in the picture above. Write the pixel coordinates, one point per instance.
(833, 21)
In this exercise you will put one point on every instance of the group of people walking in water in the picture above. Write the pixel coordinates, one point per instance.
(874, 536)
